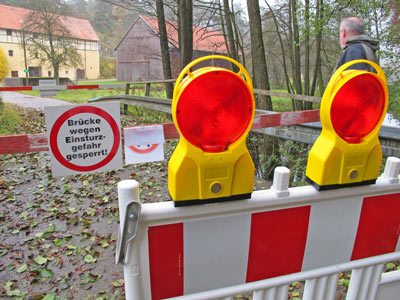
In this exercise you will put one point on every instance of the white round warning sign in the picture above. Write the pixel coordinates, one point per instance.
(84, 138)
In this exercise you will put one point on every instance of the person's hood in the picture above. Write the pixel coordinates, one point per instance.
(362, 38)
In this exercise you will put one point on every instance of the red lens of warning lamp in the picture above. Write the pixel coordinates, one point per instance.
(357, 108)
(211, 116)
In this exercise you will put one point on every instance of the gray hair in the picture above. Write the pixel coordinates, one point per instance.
(353, 25)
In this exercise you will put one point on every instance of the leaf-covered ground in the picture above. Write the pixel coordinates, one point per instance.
(58, 235)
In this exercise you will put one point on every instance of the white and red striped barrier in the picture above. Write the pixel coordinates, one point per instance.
(38, 142)
(180, 251)
(60, 87)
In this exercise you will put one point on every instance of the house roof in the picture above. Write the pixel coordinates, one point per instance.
(11, 17)
(203, 39)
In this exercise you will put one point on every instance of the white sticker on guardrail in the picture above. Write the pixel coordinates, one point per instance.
(144, 144)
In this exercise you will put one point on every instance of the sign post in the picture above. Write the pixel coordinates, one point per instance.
(84, 138)
(48, 82)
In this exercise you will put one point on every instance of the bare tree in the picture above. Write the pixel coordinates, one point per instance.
(260, 70)
(51, 41)
(185, 30)
(162, 28)
(229, 20)
(284, 64)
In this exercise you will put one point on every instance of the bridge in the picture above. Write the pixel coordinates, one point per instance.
(305, 133)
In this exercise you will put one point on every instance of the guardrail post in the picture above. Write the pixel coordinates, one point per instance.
(391, 172)
(281, 181)
(126, 93)
(147, 89)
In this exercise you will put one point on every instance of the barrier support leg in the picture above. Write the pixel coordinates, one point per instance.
(128, 191)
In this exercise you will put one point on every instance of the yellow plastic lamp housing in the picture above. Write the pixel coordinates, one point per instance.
(213, 110)
(353, 108)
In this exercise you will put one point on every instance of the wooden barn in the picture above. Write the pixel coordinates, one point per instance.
(139, 54)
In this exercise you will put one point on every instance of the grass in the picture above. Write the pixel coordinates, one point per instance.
(9, 120)
(82, 96)
(79, 96)
(110, 81)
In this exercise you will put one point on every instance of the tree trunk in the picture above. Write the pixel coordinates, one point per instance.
(221, 17)
(229, 30)
(238, 39)
(56, 69)
(291, 47)
(164, 47)
(297, 57)
(260, 70)
(285, 70)
(319, 15)
(186, 32)
(307, 49)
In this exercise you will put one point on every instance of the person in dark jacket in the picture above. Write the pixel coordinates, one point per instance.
(356, 44)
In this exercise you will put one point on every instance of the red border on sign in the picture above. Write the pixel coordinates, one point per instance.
(80, 110)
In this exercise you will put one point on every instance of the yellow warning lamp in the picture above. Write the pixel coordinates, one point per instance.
(213, 110)
(348, 151)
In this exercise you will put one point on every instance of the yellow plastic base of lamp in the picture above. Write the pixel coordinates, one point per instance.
(196, 177)
(335, 164)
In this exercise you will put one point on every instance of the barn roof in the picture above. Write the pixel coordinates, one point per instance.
(11, 17)
(203, 39)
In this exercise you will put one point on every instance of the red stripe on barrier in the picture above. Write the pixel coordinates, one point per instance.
(379, 226)
(285, 118)
(15, 88)
(170, 131)
(277, 242)
(21, 143)
(166, 260)
(81, 87)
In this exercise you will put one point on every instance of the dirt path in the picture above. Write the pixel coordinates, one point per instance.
(27, 101)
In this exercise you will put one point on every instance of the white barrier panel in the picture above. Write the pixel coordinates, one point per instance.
(180, 251)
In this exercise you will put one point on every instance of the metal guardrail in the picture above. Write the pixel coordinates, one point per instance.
(159, 104)
(287, 95)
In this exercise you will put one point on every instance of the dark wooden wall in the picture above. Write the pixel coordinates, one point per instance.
(139, 55)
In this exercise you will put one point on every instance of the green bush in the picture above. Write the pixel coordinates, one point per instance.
(3, 65)
(9, 119)
(107, 67)
(394, 99)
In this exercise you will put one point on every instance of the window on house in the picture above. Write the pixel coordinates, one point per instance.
(9, 32)
(66, 72)
(14, 73)
(10, 53)
(35, 36)
(49, 73)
